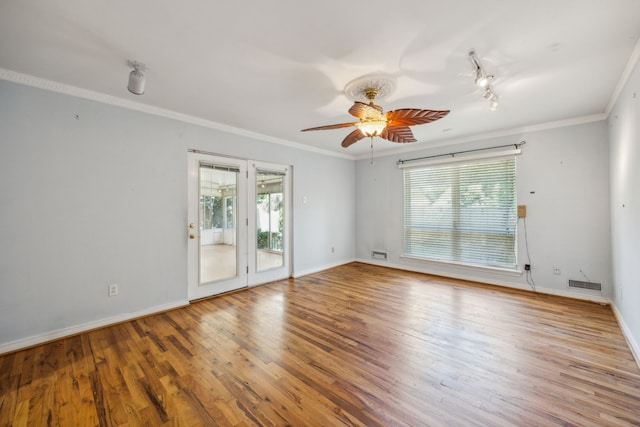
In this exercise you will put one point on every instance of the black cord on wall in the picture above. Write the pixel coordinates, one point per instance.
(528, 273)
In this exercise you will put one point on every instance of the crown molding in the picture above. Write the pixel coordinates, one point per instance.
(40, 83)
(518, 131)
(624, 78)
(77, 92)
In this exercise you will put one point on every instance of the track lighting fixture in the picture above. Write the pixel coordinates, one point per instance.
(136, 77)
(483, 81)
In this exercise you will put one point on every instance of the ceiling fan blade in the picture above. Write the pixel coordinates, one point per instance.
(413, 116)
(398, 134)
(354, 136)
(366, 111)
(337, 126)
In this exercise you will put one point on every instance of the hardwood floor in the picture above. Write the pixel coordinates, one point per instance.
(355, 345)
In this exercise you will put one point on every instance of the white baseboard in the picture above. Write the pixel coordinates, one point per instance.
(633, 344)
(470, 277)
(72, 330)
(301, 273)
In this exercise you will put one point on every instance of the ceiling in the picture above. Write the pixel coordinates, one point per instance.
(275, 67)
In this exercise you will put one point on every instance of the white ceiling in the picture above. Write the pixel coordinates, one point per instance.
(275, 67)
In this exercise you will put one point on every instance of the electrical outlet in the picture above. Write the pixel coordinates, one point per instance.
(527, 267)
(556, 270)
(333, 249)
(113, 290)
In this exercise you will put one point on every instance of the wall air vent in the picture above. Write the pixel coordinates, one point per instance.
(585, 285)
(379, 255)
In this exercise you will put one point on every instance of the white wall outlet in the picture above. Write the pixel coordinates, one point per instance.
(333, 249)
(113, 290)
(556, 270)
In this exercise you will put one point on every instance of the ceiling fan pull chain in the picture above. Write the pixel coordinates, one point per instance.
(372, 150)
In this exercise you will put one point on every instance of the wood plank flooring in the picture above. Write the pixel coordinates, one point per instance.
(357, 345)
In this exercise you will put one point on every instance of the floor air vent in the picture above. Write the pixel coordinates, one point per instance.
(585, 285)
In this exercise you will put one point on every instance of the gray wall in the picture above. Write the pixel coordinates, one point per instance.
(92, 194)
(567, 216)
(624, 131)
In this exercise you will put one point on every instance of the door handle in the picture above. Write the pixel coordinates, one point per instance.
(192, 236)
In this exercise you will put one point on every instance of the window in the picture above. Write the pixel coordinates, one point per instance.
(462, 212)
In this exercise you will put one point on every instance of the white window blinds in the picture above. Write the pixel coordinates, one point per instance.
(462, 212)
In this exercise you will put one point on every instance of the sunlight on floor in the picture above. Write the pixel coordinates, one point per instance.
(218, 262)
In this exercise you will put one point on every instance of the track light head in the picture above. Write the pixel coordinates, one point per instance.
(482, 81)
(493, 104)
(136, 77)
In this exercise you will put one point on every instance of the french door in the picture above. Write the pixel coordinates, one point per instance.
(269, 194)
(239, 220)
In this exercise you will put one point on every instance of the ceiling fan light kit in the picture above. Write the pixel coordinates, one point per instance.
(483, 81)
(392, 125)
(372, 128)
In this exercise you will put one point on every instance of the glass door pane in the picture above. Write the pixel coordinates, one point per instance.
(218, 249)
(270, 220)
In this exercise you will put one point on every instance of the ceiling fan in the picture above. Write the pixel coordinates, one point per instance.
(392, 125)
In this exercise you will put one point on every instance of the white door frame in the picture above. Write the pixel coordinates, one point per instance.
(259, 277)
(246, 227)
(196, 289)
